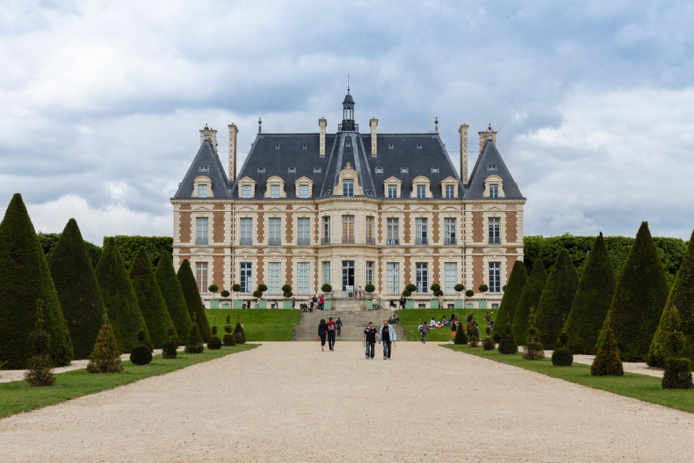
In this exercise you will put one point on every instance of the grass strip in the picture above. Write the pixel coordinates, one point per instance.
(258, 324)
(642, 387)
(411, 318)
(17, 396)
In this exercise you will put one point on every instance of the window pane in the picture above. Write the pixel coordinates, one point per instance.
(326, 273)
(369, 273)
(201, 230)
(201, 276)
(326, 230)
(494, 230)
(275, 274)
(493, 191)
(393, 231)
(246, 277)
(246, 191)
(348, 188)
(274, 236)
(450, 191)
(348, 229)
(303, 232)
(421, 230)
(450, 270)
(202, 191)
(449, 229)
(421, 191)
(393, 277)
(392, 191)
(422, 278)
(495, 277)
(303, 272)
(274, 191)
(303, 191)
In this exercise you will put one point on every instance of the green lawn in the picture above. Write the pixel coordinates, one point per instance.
(410, 319)
(17, 396)
(258, 324)
(642, 387)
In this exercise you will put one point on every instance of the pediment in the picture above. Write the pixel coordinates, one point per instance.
(303, 208)
(453, 209)
(303, 179)
(245, 252)
(495, 208)
(246, 180)
(275, 252)
(202, 208)
(451, 252)
(422, 252)
(244, 209)
(393, 209)
(449, 180)
(275, 208)
(304, 252)
(421, 209)
(201, 251)
(494, 252)
(392, 179)
(393, 252)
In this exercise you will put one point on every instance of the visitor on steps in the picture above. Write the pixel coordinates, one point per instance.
(423, 330)
(322, 331)
(386, 335)
(321, 302)
(331, 334)
(338, 325)
(368, 339)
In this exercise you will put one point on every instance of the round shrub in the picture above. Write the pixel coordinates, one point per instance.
(469, 293)
(326, 288)
(213, 288)
(170, 349)
(236, 288)
(534, 351)
(214, 343)
(369, 288)
(678, 374)
(474, 335)
(488, 344)
(229, 340)
(257, 294)
(225, 293)
(141, 355)
(562, 357)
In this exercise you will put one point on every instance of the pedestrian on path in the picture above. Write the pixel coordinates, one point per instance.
(338, 325)
(386, 335)
(423, 330)
(331, 334)
(368, 339)
(322, 332)
(454, 325)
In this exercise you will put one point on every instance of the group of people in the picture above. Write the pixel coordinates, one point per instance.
(394, 319)
(384, 335)
(329, 330)
(312, 303)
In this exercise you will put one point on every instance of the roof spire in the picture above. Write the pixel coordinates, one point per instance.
(347, 81)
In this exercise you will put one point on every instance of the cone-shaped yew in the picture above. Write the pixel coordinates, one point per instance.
(24, 279)
(78, 290)
(607, 361)
(150, 300)
(530, 297)
(557, 297)
(592, 301)
(512, 294)
(639, 299)
(193, 300)
(119, 296)
(106, 355)
(173, 295)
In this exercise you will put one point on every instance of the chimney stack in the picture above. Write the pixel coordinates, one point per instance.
(322, 123)
(233, 132)
(373, 123)
(463, 153)
(484, 136)
(209, 134)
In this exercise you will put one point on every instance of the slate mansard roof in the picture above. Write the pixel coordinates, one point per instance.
(206, 163)
(490, 162)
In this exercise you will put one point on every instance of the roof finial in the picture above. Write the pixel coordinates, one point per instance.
(347, 80)
(206, 128)
(490, 131)
(436, 124)
(260, 125)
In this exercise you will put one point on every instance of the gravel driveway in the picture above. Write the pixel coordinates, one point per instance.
(292, 402)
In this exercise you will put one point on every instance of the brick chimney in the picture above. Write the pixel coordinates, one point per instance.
(322, 123)
(463, 153)
(484, 136)
(233, 132)
(211, 135)
(373, 123)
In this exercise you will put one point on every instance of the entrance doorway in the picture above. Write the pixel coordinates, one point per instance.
(347, 278)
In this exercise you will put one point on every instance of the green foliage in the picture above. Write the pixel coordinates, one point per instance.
(229, 340)
(529, 299)
(469, 293)
(483, 288)
(661, 346)
(459, 288)
(557, 297)
(77, 288)
(369, 288)
(129, 247)
(474, 334)
(119, 296)
(213, 288)
(411, 288)
(509, 301)
(287, 291)
(682, 297)
(562, 357)
(170, 349)
(563, 339)
(150, 299)
(193, 299)
(257, 294)
(239, 334)
(141, 355)
(326, 288)
(507, 342)
(172, 292)
(195, 341)
(678, 374)
(639, 298)
(436, 290)
(214, 343)
(24, 279)
(592, 301)
(460, 334)
(225, 293)
(105, 358)
(40, 371)
(607, 361)
(534, 351)
(49, 241)
(236, 288)
(262, 287)
(488, 343)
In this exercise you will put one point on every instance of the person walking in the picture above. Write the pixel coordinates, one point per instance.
(423, 330)
(469, 327)
(368, 340)
(338, 325)
(321, 302)
(386, 335)
(331, 334)
(454, 326)
(322, 332)
(293, 303)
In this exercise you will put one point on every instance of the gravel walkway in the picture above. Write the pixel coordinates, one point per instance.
(292, 402)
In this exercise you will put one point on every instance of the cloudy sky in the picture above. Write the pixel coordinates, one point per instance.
(101, 102)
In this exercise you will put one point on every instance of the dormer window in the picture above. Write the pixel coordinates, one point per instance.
(304, 187)
(277, 146)
(348, 187)
(450, 191)
(316, 170)
(491, 167)
(202, 190)
(379, 170)
(434, 170)
(449, 188)
(421, 191)
(392, 187)
(421, 188)
(246, 187)
(304, 146)
(260, 170)
(390, 146)
(392, 191)
(493, 187)
(204, 169)
(246, 191)
(493, 190)
(275, 188)
(202, 187)
(419, 146)
(292, 170)
(404, 170)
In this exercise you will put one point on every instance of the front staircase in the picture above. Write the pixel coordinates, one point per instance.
(353, 324)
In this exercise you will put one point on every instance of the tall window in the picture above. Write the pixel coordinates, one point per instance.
(348, 187)
(302, 276)
(393, 277)
(246, 191)
(422, 235)
(392, 231)
(303, 232)
(494, 230)
(246, 277)
(422, 277)
(201, 230)
(325, 239)
(347, 229)
(246, 232)
(493, 191)
(274, 191)
(370, 230)
(450, 275)
(201, 276)
(449, 230)
(326, 273)
(202, 191)
(450, 191)
(392, 191)
(421, 191)
(275, 231)
(275, 275)
(303, 191)
(369, 273)
(495, 277)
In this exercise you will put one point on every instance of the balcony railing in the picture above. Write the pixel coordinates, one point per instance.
(449, 241)
(303, 241)
(201, 240)
(421, 240)
(393, 242)
(347, 239)
(246, 242)
(371, 240)
(274, 241)
(325, 240)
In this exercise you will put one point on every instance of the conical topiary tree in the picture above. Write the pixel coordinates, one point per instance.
(78, 291)
(195, 343)
(150, 299)
(592, 301)
(239, 334)
(173, 295)
(24, 279)
(460, 334)
(530, 297)
(638, 300)
(507, 343)
(512, 294)
(681, 296)
(40, 371)
(119, 296)
(193, 299)
(607, 361)
(557, 297)
(105, 358)
(660, 350)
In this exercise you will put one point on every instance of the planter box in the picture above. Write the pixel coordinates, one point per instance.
(326, 305)
(459, 304)
(225, 305)
(469, 305)
(434, 303)
(369, 305)
(409, 305)
(261, 305)
(214, 304)
(238, 304)
(483, 304)
(286, 304)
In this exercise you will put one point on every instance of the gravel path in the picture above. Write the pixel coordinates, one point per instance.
(292, 402)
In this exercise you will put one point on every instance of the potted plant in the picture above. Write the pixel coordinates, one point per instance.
(238, 303)
(469, 293)
(214, 304)
(369, 289)
(258, 294)
(287, 293)
(327, 291)
(483, 289)
(459, 303)
(225, 295)
(409, 289)
(436, 290)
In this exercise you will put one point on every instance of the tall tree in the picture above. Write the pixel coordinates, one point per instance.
(24, 280)
(173, 295)
(682, 297)
(530, 297)
(150, 300)
(592, 301)
(78, 290)
(557, 297)
(512, 294)
(639, 299)
(193, 299)
(119, 297)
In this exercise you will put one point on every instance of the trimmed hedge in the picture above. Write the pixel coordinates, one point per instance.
(509, 301)
(173, 295)
(120, 299)
(530, 297)
(592, 301)
(78, 290)
(193, 300)
(638, 300)
(129, 247)
(557, 297)
(24, 281)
